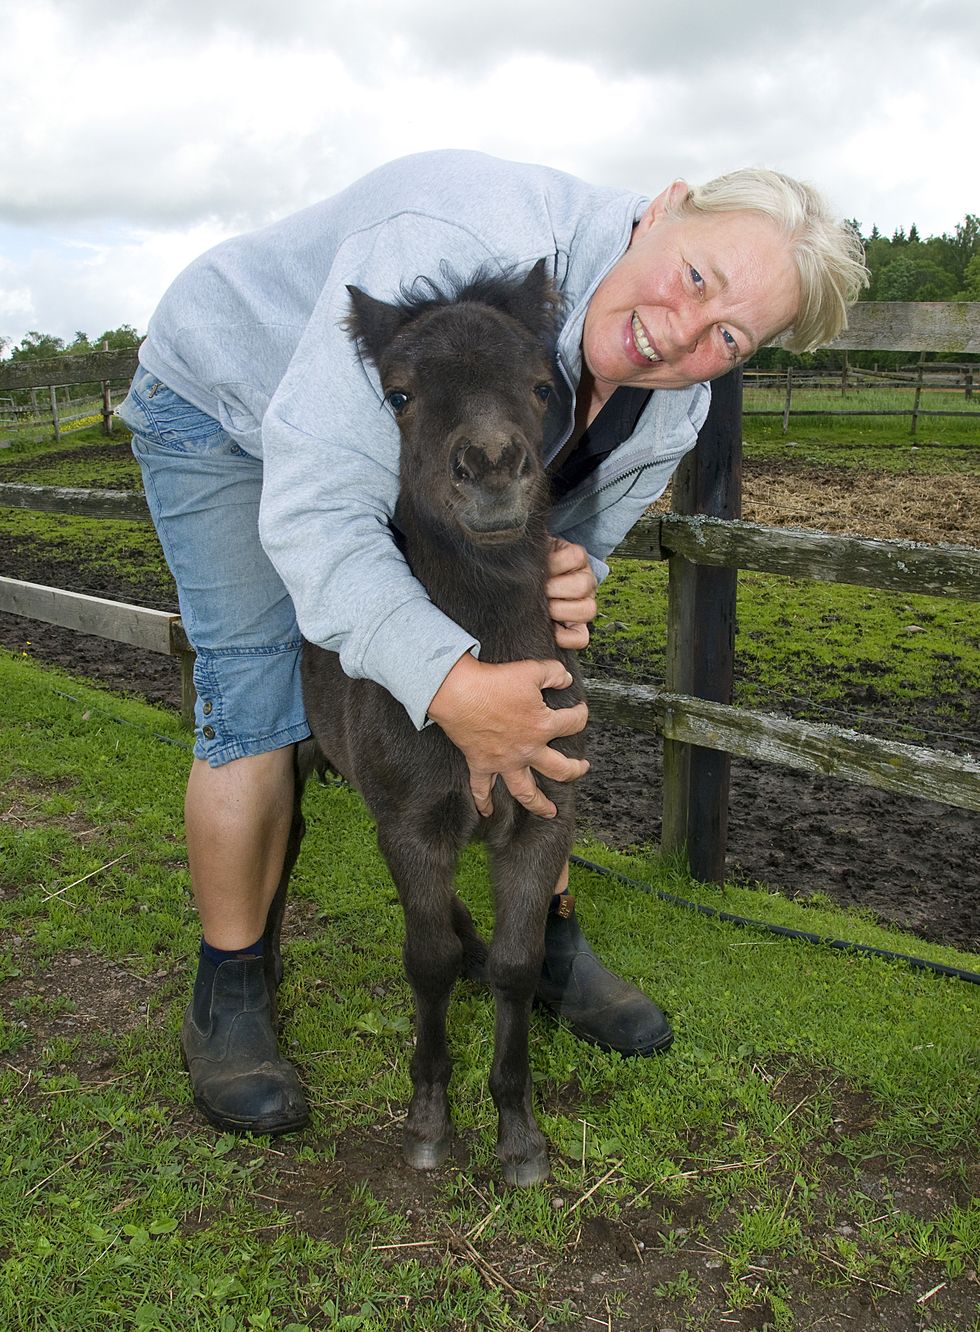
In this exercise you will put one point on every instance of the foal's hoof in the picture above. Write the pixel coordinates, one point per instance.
(426, 1155)
(522, 1174)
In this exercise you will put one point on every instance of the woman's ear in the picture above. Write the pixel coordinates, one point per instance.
(666, 199)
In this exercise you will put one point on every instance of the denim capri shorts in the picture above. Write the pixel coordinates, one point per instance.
(203, 494)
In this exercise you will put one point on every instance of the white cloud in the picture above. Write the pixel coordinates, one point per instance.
(144, 130)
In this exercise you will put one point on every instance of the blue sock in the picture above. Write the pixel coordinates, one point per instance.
(218, 955)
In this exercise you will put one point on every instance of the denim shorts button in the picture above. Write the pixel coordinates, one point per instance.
(208, 732)
(208, 709)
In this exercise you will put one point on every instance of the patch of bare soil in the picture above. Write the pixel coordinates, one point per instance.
(892, 506)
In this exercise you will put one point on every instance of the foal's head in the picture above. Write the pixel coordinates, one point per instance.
(471, 383)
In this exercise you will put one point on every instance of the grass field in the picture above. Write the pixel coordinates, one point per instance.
(810, 1143)
(805, 1157)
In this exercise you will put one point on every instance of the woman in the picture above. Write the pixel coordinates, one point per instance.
(271, 465)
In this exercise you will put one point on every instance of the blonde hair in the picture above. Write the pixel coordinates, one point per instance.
(828, 253)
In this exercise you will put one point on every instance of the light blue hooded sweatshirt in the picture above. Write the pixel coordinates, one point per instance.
(251, 333)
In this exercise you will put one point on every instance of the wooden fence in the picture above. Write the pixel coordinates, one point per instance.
(103, 368)
(849, 380)
(704, 542)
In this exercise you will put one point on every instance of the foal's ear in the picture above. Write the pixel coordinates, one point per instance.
(373, 323)
(537, 301)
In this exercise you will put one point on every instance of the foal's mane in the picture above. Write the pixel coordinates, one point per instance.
(530, 297)
(487, 286)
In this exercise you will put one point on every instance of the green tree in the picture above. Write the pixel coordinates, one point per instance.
(908, 279)
(123, 338)
(971, 280)
(35, 346)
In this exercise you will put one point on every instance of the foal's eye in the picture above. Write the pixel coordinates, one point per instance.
(543, 391)
(398, 400)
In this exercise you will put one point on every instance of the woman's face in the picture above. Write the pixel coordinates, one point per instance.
(690, 298)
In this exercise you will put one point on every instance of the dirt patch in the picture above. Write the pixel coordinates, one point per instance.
(83, 997)
(894, 506)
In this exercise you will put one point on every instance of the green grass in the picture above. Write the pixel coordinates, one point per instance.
(941, 444)
(28, 461)
(810, 648)
(131, 551)
(814, 1104)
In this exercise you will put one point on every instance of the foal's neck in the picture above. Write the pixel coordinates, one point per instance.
(495, 593)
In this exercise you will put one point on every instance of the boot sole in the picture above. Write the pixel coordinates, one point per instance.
(660, 1046)
(270, 1127)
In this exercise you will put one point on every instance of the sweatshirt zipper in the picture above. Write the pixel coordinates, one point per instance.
(606, 485)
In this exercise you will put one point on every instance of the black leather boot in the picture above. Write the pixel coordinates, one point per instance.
(599, 1006)
(229, 1042)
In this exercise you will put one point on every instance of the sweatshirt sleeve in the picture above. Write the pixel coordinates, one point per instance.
(331, 451)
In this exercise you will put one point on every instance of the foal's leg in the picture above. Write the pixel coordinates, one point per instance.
(525, 871)
(423, 874)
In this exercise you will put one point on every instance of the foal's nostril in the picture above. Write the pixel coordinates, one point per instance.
(460, 470)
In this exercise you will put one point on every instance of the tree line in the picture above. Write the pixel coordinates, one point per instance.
(35, 346)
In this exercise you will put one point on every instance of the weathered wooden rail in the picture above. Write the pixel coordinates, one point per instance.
(704, 542)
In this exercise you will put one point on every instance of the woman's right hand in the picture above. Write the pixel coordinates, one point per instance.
(494, 713)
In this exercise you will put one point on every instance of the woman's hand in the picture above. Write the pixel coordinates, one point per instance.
(496, 716)
(570, 590)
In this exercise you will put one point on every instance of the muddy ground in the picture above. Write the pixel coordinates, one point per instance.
(800, 834)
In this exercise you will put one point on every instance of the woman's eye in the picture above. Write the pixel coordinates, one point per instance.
(397, 400)
(543, 391)
(731, 346)
(696, 277)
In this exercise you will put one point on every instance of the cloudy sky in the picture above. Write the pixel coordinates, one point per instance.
(135, 136)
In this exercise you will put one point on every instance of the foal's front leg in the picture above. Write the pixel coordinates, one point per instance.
(423, 875)
(525, 871)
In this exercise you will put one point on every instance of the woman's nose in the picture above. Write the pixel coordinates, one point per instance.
(689, 327)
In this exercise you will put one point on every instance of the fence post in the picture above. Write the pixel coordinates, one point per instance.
(701, 638)
(968, 384)
(106, 401)
(789, 399)
(54, 414)
(915, 404)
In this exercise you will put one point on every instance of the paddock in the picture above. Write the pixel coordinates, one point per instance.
(810, 1144)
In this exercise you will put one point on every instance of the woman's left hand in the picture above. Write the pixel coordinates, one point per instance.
(570, 590)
